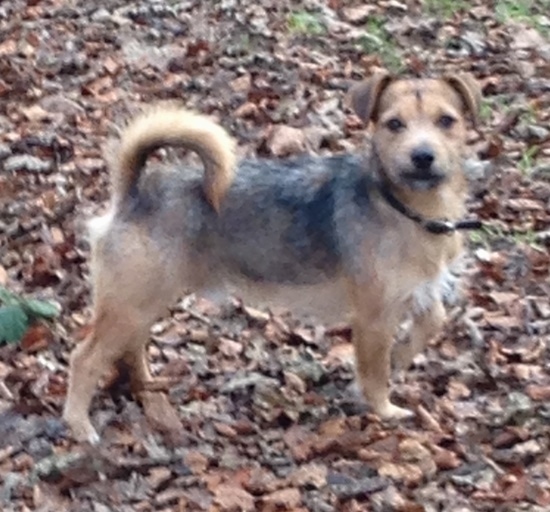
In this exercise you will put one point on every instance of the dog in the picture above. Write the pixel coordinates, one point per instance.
(379, 230)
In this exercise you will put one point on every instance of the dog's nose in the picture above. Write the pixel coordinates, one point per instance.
(422, 158)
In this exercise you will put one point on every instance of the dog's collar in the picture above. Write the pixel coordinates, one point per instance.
(434, 226)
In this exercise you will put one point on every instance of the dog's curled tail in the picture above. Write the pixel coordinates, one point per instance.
(174, 126)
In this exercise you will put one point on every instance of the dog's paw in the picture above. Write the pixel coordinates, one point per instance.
(93, 438)
(389, 411)
(83, 431)
(86, 435)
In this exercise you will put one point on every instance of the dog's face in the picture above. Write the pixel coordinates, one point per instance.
(419, 126)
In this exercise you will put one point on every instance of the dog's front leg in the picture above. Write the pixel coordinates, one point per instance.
(372, 339)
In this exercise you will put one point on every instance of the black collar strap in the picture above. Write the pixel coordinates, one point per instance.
(434, 226)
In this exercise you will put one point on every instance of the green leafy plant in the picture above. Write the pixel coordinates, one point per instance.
(18, 313)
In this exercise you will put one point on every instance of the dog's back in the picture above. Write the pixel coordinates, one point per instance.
(284, 229)
(280, 222)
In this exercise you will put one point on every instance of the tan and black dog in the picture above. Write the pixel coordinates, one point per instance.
(380, 231)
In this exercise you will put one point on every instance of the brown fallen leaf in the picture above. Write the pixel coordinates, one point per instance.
(247, 110)
(537, 392)
(37, 337)
(492, 148)
(427, 419)
(230, 348)
(503, 322)
(196, 461)
(358, 14)
(283, 499)
(445, 459)
(111, 65)
(409, 474)
(311, 476)
(300, 442)
(333, 427)
(3, 276)
(339, 354)
(522, 204)
(231, 498)
(285, 140)
(241, 84)
(526, 37)
(35, 113)
(158, 477)
(542, 497)
(517, 490)
(225, 430)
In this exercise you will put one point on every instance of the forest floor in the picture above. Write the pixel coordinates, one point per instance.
(264, 415)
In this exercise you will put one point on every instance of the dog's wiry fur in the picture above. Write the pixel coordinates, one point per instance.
(297, 225)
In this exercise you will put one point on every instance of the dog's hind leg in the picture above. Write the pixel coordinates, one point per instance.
(113, 333)
(132, 287)
(135, 360)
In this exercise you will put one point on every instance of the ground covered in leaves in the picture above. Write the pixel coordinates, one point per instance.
(265, 416)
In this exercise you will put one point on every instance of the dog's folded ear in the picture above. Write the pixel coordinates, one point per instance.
(365, 96)
(469, 91)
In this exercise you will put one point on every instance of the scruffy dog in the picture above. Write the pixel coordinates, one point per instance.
(379, 231)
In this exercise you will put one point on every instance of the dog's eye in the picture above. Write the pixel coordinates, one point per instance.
(446, 121)
(394, 124)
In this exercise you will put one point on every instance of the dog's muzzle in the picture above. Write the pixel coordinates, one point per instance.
(422, 180)
(423, 173)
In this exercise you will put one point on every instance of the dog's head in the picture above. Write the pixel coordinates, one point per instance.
(419, 125)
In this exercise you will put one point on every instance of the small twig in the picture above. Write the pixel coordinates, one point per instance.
(428, 420)
(474, 332)
(197, 316)
(5, 392)
(492, 464)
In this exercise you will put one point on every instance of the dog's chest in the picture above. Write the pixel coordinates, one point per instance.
(429, 272)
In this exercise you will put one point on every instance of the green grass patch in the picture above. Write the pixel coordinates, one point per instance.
(529, 115)
(507, 10)
(445, 8)
(378, 41)
(528, 160)
(305, 23)
(525, 11)
(486, 110)
(503, 104)
(488, 235)
(529, 238)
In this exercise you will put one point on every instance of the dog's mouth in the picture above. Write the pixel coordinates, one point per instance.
(422, 180)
